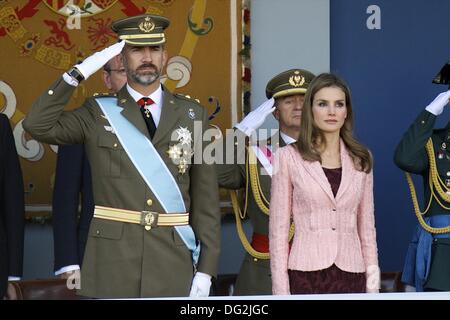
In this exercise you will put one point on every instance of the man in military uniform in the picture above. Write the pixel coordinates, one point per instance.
(156, 224)
(286, 96)
(72, 179)
(425, 151)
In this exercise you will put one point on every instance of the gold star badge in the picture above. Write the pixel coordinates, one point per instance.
(174, 152)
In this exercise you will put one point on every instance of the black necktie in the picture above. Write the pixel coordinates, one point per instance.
(143, 102)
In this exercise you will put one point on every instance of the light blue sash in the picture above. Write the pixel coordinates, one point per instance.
(151, 167)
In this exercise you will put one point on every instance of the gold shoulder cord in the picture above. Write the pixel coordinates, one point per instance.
(435, 182)
(252, 169)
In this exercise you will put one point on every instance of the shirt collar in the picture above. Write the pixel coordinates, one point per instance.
(287, 139)
(156, 96)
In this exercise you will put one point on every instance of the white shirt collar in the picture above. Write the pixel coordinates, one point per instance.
(287, 139)
(156, 96)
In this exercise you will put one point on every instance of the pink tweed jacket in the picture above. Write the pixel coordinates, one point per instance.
(328, 230)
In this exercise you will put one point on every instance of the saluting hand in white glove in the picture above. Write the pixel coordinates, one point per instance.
(256, 118)
(96, 61)
(200, 285)
(437, 106)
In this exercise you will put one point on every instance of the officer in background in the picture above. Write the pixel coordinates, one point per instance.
(156, 224)
(72, 181)
(425, 151)
(12, 211)
(286, 93)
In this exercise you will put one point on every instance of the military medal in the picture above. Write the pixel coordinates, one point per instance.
(443, 146)
(147, 112)
(181, 152)
(174, 152)
(440, 155)
(191, 114)
(182, 166)
(184, 136)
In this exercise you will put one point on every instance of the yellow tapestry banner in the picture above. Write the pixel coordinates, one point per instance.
(208, 46)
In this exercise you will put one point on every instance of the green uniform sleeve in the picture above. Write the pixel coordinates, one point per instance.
(410, 154)
(205, 211)
(48, 122)
(231, 172)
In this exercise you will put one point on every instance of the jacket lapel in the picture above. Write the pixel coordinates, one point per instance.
(348, 171)
(131, 111)
(170, 114)
(316, 172)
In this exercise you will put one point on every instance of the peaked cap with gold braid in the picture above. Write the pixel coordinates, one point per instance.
(142, 30)
(293, 81)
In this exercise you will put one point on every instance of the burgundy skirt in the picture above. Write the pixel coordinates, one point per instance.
(330, 280)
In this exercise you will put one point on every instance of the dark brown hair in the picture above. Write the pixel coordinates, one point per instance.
(312, 138)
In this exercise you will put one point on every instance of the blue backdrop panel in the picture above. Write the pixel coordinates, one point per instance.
(389, 72)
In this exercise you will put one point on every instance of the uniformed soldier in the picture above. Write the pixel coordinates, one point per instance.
(156, 225)
(72, 180)
(286, 96)
(425, 151)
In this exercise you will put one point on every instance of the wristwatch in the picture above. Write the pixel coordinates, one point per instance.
(75, 74)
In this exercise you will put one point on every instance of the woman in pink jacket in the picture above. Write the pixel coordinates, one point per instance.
(324, 183)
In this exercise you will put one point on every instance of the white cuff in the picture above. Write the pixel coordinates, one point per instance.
(71, 81)
(203, 275)
(10, 278)
(72, 267)
(434, 111)
(246, 130)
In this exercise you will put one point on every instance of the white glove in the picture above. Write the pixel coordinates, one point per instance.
(200, 285)
(437, 106)
(256, 118)
(94, 62)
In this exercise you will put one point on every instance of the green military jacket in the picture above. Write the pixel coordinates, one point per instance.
(411, 156)
(124, 259)
(254, 276)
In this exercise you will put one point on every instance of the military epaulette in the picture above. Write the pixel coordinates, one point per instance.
(104, 94)
(187, 97)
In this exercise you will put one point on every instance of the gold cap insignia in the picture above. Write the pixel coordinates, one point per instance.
(297, 80)
(147, 25)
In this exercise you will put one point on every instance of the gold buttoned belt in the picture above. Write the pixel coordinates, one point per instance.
(148, 219)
